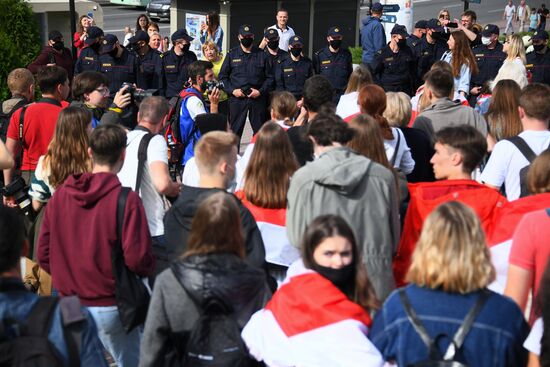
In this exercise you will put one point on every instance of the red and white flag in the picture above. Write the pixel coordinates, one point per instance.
(310, 322)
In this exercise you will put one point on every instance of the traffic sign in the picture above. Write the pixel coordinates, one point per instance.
(390, 8)
(388, 18)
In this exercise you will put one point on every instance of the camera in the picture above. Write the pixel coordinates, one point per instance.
(20, 192)
(139, 94)
(211, 84)
(452, 25)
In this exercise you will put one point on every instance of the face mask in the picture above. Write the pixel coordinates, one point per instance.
(296, 52)
(342, 278)
(132, 47)
(538, 48)
(247, 42)
(186, 47)
(273, 45)
(113, 52)
(437, 35)
(401, 43)
(335, 44)
(59, 45)
(485, 40)
(95, 47)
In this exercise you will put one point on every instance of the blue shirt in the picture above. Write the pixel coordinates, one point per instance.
(462, 81)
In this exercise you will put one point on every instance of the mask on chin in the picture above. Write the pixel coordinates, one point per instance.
(342, 278)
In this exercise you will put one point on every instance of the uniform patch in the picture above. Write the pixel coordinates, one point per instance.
(89, 58)
(170, 66)
(388, 59)
(236, 60)
(480, 55)
(325, 62)
(105, 65)
(288, 70)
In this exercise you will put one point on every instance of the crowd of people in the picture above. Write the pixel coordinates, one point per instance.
(391, 213)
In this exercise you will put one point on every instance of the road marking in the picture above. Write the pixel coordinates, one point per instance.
(495, 11)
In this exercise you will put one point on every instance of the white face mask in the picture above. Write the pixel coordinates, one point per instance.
(485, 40)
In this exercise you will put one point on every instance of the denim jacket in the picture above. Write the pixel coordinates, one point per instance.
(495, 339)
(462, 81)
(18, 303)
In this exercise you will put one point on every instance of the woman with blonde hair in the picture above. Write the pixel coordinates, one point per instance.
(212, 53)
(449, 274)
(347, 105)
(514, 66)
(462, 61)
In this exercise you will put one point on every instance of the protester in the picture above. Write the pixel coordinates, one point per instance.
(361, 191)
(450, 270)
(20, 83)
(155, 42)
(6, 159)
(142, 23)
(211, 31)
(330, 291)
(54, 53)
(502, 114)
(462, 61)
(211, 53)
(347, 105)
(80, 36)
(514, 66)
(212, 267)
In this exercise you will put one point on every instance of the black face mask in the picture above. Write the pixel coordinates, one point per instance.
(342, 278)
(59, 45)
(95, 47)
(335, 44)
(401, 43)
(437, 36)
(247, 42)
(296, 52)
(132, 47)
(273, 45)
(186, 47)
(538, 48)
(113, 52)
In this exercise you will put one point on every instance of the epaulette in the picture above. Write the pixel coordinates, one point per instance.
(414, 43)
(379, 52)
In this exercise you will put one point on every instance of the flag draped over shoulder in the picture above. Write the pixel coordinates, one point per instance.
(426, 196)
(310, 322)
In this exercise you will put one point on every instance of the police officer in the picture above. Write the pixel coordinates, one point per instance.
(394, 66)
(175, 62)
(418, 33)
(429, 49)
(150, 71)
(248, 78)
(271, 42)
(489, 57)
(119, 65)
(292, 72)
(88, 60)
(334, 62)
(538, 61)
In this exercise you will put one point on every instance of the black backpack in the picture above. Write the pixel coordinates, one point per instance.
(530, 156)
(5, 117)
(26, 344)
(449, 359)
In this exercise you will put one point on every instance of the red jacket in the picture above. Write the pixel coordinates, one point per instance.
(63, 59)
(79, 231)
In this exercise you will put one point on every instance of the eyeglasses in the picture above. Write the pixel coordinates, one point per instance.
(103, 90)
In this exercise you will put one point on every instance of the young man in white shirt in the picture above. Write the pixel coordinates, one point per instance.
(285, 32)
(509, 15)
(506, 160)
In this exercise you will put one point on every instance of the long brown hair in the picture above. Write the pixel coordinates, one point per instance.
(330, 225)
(503, 116)
(213, 22)
(372, 101)
(216, 227)
(68, 151)
(462, 54)
(271, 165)
(80, 29)
(367, 139)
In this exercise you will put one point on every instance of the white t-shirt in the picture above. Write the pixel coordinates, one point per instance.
(191, 175)
(403, 160)
(510, 10)
(195, 106)
(532, 343)
(153, 202)
(284, 36)
(506, 161)
(347, 105)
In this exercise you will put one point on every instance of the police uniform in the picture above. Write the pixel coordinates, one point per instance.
(421, 24)
(291, 75)
(488, 60)
(174, 67)
(335, 66)
(426, 53)
(150, 68)
(539, 64)
(243, 70)
(273, 35)
(88, 60)
(395, 71)
(123, 69)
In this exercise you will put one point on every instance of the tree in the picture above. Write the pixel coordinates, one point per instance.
(19, 39)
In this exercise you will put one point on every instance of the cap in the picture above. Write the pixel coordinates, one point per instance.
(400, 30)
(540, 35)
(296, 41)
(271, 34)
(376, 8)
(93, 33)
(54, 35)
(490, 29)
(246, 31)
(421, 24)
(435, 25)
(139, 36)
(108, 43)
(334, 32)
(181, 34)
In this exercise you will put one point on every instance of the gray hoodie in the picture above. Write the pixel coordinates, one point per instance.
(360, 191)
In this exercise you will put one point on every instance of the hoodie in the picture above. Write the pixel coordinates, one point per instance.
(79, 231)
(373, 38)
(49, 54)
(363, 193)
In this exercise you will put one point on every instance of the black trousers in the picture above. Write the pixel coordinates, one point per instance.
(238, 109)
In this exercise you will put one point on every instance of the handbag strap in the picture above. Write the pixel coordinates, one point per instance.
(120, 207)
(414, 320)
(394, 157)
(142, 158)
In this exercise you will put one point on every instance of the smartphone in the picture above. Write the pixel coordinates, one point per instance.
(452, 25)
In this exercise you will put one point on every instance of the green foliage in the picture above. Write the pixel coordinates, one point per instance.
(356, 54)
(19, 39)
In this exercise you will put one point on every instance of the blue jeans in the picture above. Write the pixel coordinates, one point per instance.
(123, 347)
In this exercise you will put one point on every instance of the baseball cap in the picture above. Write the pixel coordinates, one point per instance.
(93, 33)
(296, 41)
(400, 30)
(246, 31)
(490, 29)
(108, 43)
(139, 36)
(334, 32)
(377, 8)
(435, 25)
(181, 34)
(54, 35)
(540, 35)
(271, 34)
(421, 24)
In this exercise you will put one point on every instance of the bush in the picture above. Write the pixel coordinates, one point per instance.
(356, 54)
(19, 39)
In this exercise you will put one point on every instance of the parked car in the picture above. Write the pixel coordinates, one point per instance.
(158, 10)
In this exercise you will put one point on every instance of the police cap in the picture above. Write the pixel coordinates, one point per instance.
(400, 30)
(334, 32)
(140, 36)
(540, 35)
(271, 34)
(181, 34)
(93, 33)
(421, 24)
(246, 31)
(108, 43)
(435, 25)
(296, 41)
(489, 30)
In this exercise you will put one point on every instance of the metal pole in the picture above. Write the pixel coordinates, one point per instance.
(466, 5)
(72, 13)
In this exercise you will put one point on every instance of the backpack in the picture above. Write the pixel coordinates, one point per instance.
(6, 116)
(435, 359)
(530, 156)
(26, 343)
